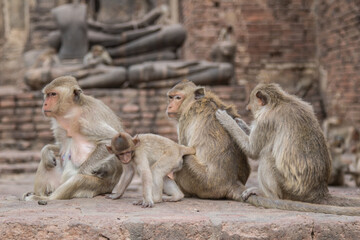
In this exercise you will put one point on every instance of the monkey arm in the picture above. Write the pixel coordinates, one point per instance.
(236, 132)
(242, 124)
(100, 152)
(125, 180)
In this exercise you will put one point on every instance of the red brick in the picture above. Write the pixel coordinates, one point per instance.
(131, 108)
(7, 103)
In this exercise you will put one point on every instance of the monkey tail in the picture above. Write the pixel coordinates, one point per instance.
(341, 201)
(188, 150)
(259, 201)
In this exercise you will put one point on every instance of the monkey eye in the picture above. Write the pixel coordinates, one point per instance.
(177, 97)
(51, 94)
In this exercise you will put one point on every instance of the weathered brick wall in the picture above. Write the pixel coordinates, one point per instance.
(339, 56)
(23, 127)
(267, 32)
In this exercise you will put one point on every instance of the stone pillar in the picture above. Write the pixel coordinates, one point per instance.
(14, 28)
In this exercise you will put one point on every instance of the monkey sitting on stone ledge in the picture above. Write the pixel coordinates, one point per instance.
(294, 160)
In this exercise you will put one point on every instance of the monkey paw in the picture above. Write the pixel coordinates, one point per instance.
(113, 196)
(223, 117)
(144, 203)
(248, 192)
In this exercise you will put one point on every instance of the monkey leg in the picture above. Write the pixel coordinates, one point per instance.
(77, 186)
(146, 180)
(268, 184)
(171, 189)
(125, 180)
(159, 170)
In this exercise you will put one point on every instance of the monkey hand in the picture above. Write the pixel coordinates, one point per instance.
(113, 196)
(225, 119)
(248, 192)
(144, 203)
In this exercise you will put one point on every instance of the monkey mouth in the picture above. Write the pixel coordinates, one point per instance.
(172, 115)
(47, 113)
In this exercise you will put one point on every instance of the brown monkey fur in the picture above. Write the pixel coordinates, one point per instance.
(294, 161)
(48, 174)
(154, 157)
(219, 169)
(80, 124)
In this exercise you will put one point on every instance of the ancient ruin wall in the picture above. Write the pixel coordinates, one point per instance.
(338, 31)
(23, 127)
(273, 34)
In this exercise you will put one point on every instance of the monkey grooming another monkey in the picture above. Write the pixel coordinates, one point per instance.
(294, 161)
(219, 169)
(80, 124)
(154, 157)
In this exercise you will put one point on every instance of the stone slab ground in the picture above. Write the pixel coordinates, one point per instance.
(100, 218)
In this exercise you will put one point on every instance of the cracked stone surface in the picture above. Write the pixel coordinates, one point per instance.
(101, 218)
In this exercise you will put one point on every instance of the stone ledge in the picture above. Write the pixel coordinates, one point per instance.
(101, 218)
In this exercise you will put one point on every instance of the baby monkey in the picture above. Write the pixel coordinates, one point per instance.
(154, 157)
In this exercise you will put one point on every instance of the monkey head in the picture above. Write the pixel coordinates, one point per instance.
(123, 146)
(265, 94)
(181, 96)
(60, 95)
(97, 50)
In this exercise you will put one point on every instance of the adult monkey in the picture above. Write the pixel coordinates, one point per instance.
(80, 124)
(219, 169)
(294, 161)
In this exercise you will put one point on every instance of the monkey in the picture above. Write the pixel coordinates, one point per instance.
(48, 174)
(219, 169)
(46, 59)
(81, 124)
(294, 160)
(97, 55)
(154, 157)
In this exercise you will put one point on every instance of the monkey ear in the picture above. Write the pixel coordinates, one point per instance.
(77, 93)
(109, 149)
(136, 141)
(199, 93)
(262, 98)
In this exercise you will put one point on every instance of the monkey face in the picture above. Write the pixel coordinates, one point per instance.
(123, 146)
(125, 156)
(175, 99)
(50, 103)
